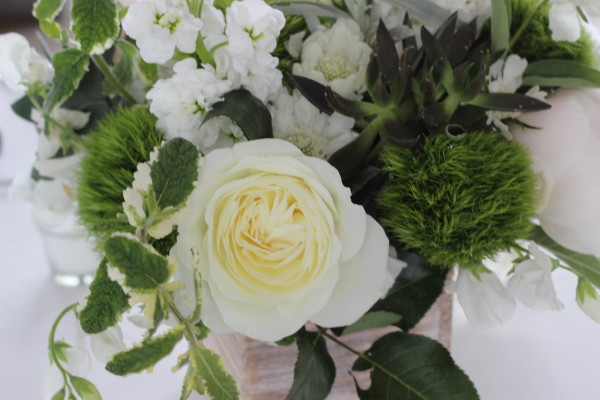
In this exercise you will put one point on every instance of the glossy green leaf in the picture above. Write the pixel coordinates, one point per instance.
(508, 102)
(415, 290)
(309, 8)
(146, 354)
(561, 73)
(174, 172)
(425, 11)
(501, 10)
(248, 112)
(207, 375)
(85, 389)
(23, 107)
(313, 91)
(373, 320)
(586, 265)
(69, 68)
(104, 305)
(142, 266)
(314, 372)
(95, 24)
(406, 366)
(387, 57)
(350, 108)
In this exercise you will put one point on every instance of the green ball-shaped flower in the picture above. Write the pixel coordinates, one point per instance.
(459, 201)
(121, 141)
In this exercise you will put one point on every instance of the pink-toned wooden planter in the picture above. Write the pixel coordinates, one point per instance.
(265, 372)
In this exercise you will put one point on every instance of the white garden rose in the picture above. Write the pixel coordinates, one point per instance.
(279, 243)
(566, 154)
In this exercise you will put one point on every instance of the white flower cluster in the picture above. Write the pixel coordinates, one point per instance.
(238, 44)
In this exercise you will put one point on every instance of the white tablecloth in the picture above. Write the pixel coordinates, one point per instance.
(536, 356)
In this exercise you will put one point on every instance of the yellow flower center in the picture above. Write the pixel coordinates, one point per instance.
(334, 68)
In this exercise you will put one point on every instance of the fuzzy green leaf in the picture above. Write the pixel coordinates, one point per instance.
(85, 388)
(508, 102)
(69, 67)
(373, 320)
(51, 28)
(314, 372)
(207, 375)
(409, 366)
(60, 395)
(95, 24)
(174, 173)
(500, 25)
(104, 305)
(425, 11)
(47, 9)
(586, 265)
(248, 112)
(561, 73)
(146, 354)
(142, 266)
(309, 8)
(415, 290)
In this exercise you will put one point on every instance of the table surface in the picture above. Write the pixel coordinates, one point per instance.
(537, 355)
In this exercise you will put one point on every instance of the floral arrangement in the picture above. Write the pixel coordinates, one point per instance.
(294, 171)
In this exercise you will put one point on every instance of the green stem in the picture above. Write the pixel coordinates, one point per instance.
(370, 361)
(188, 327)
(523, 26)
(67, 131)
(51, 343)
(103, 66)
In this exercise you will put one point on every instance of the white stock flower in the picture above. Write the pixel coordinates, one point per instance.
(280, 243)
(485, 301)
(107, 343)
(531, 283)
(20, 63)
(564, 19)
(160, 26)
(566, 154)
(337, 57)
(317, 134)
(181, 102)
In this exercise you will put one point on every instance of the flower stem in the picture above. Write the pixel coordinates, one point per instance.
(52, 347)
(523, 26)
(103, 66)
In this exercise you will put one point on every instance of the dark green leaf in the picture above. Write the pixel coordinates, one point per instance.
(415, 290)
(561, 73)
(248, 112)
(207, 375)
(438, 58)
(350, 107)
(123, 69)
(146, 354)
(142, 266)
(409, 366)
(309, 8)
(47, 9)
(445, 33)
(23, 107)
(174, 173)
(501, 10)
(387, 57)
(313, 91)
(94, 24)
(85, 388)
(508, 102)
(462, 42)
(314, 372)
(69, 67)
(586, 265)
(104, 305)
(425, 11)
(373, 320)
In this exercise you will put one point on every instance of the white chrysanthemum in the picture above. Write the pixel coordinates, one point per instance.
(181, 102)
(296, 120)
(564, 19)
(20, 63)
(506, 76)
(159, 26)
(337, 57)
(484, 300)
(532, 283)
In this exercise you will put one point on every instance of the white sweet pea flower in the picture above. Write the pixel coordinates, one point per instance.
(20, 63)
(160, 26)
(279, 243)
(506, 76)
(467, 9)
(51, 143)
(484, 299)
(182, 101)
(336, 57)
(564, 19)
(532, 283)
(588, 299)
(567, 168)
(317, 134)
(107, 343)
